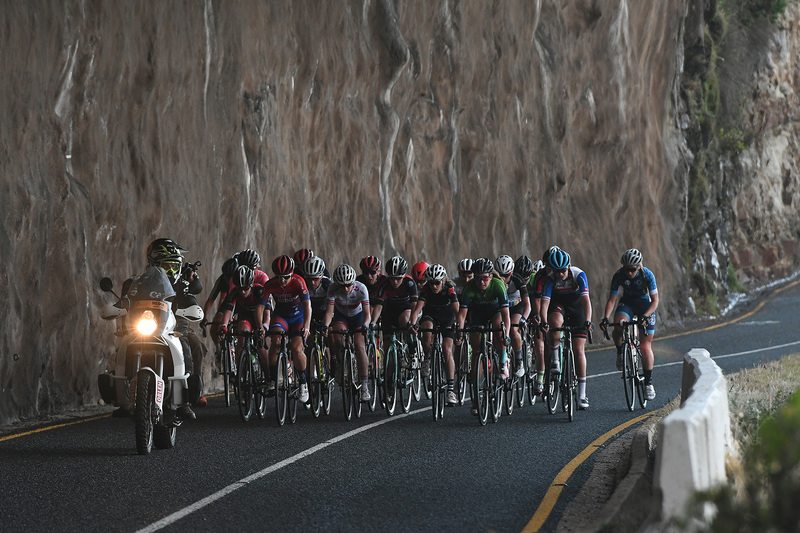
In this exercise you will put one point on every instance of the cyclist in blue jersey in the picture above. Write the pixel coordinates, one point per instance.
(639, 299)
(565, 300)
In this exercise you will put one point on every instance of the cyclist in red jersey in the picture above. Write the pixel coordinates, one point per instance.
(247, 300)
(371, 276)
(292, 314)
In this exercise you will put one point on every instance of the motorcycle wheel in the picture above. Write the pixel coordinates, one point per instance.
(164, 437)
(143, 412)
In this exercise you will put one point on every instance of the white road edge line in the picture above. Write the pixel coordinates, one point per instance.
(208, 500)
(737, 354)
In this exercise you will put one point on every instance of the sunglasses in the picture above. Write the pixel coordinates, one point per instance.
(246, 288)
(284, 277)
(435, 282)
(485, 277)
(347, 286)
(631, 269)
(561, 271)
(370, 272)
(396, 278)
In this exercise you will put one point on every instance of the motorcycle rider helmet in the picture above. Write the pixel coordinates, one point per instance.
(465, 266)
(523, 266)
(168, 255)
(249, 257)
(344, 275)
(283, 265)
(370, 263)
(436, 272)
(504, 265)
(229, 267)
(418, 271)
(558, 260)
(631, 258)
(538, 265)
(396, 267)
(301, 255)
(482, 266)
(244, 276)
(314, 267)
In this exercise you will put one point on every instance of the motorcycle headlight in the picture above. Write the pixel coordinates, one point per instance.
(147, 324)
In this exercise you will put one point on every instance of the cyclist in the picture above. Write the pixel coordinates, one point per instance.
(483, 301)
(292, 314)
(565, 301)
(247, 300)
(535, 292)
(464, 275)
(519, 303)
(317, 284)
(220, 289)
(371, 276)
(639, 298)
(396, 296)
(348, 309)
(439, 301)
(418, 273)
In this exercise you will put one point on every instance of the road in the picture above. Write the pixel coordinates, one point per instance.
(405, 473)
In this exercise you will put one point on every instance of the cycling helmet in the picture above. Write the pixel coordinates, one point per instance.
(370, 263)
(344, 275)
(301, 255)
(482, 266)
(314, 267)
(537, 266)
(504, 265)
(161, 250)
(631, 258)
(523, 266)
(548, 252)
(436, 272)
(558, 260)
(249, 257)
(243, 276)
(283, 265)
(229, 267)
(397, 266)
(465, 265)
(418, 271)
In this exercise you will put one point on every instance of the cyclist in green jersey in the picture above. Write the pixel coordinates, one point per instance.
(485, 301)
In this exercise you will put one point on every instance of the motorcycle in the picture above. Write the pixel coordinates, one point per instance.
(149, 380)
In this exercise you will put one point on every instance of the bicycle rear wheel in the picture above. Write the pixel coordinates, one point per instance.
(390, 381)
(481, 384)
(640, 386)
(315, 380)
(347, 384)
(462, 372)
(281, 389)
(246, 399)
(372, 375)
(628, 375)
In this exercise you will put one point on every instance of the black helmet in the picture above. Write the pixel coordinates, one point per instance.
(229, 267)
(523, 266)
(164, 250)
(249, 257)
(482, 266)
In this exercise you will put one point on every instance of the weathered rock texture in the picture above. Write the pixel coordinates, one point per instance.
(436, 130)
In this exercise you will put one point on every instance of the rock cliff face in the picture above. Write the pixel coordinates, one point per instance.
(436, 130)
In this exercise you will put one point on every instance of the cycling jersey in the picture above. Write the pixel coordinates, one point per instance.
(483, 305)
(373, 289)
(319, 297)
(440, 305)
(288, 299)
(236, 300)
(401, 297)
(640, 287)
(568, 291)
(459, 283)
(221, 287)
(517, 290)
(348, 304)
(536, 283)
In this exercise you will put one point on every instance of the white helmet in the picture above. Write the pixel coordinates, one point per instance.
(436, 272)
(344, 275)
(504, 265)
(631, 258)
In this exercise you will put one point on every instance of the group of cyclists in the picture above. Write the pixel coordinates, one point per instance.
(510, 295)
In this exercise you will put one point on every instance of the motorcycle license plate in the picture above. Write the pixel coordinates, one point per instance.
(151, 304)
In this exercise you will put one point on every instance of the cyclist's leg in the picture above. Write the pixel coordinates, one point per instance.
(516, 340)
(427, 337)
(556, 320)
(497, 339)
(646, 334)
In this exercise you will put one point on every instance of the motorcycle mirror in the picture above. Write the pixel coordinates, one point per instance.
(106, 285)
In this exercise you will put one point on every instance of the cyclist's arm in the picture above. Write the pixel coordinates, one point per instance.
(326, 320)
(587, 306)
(416, 312)
(612, 300)
(461, 317)
(377, 312)
(526, 310)
(307, 316)
(506, 316)
(653, 304)
(367, 312)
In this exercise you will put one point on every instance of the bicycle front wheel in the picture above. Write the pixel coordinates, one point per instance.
(315, 380)
(372, 375)
(628, 375)
(570, 384)
(246, 399)
(326, 382)
(281, 389)
(292, 391)
(390, 380)
(481, 385)
(347, 384)
(438, 384)
(498, 385)
(640, 386)
(462, 372)
(225, 357)
(260, 381)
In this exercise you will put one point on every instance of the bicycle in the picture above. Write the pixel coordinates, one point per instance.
(251, 397)
(515, 386)
(397, 372)
(320, 377)
(374, 372)
(487, 381)
(569, 378)
(437, 379)
(632, 376)
(287, 385)
(349, 376)
(227, 363)
(463, 369)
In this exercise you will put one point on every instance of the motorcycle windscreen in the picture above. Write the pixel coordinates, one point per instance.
(148, 294)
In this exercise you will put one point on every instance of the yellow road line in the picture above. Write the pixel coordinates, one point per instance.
(551, 497)
(46, 428)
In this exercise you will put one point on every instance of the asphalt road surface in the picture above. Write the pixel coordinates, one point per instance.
(404, 473)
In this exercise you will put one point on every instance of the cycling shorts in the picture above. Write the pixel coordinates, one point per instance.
(353, 323)
(293, 324)
(638, 308)
(517, 309)
(573, 317)
(443, 320)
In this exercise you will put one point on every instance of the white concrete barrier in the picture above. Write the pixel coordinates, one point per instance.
(694, 439)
